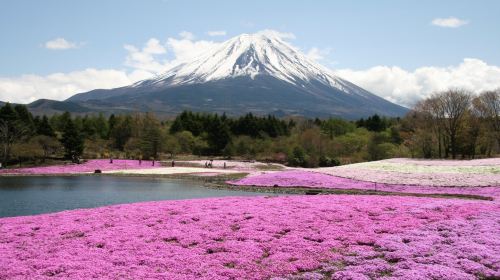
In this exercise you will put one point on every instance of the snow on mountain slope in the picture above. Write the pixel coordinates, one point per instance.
(261, 53)
(259, 73)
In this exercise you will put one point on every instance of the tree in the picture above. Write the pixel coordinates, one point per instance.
(444, 114)
(72, 141)
(171, 145)
(101, 126)
(373, 123)
(379, 148)
(336, 127)
(44, 127)
(186, 142)
(298, 157)
(49, 145)
(487, 107)
(120, 131)
(218, 135)
(470, 135)
(25, 118)
(133, 148)
(427, 120)
(151, 139)
(12, 129)
(454, 105)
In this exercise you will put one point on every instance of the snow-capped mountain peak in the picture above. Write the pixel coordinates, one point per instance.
(261, 53)
(260, 73)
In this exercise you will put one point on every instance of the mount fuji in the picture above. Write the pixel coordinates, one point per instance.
(259, 73)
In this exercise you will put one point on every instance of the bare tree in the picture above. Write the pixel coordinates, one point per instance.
(487, 107)
(10, 132)
(432, 114)
(454, 105)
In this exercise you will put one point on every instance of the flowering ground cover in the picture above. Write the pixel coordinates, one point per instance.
(446, 162)
(247, 166)
(308, 179)
(450, 173)
(428, 179)
(293, 237)
(87, 167)
(421, 168)
(171, 170)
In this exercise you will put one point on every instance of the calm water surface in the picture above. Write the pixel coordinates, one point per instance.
(21, 196)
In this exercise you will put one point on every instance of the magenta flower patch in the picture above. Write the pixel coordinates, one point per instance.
(294, 237)
(319, 180)
(87, 167)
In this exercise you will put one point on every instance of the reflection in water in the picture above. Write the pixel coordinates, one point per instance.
(21, 196)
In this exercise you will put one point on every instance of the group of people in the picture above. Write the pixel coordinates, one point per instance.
(140, 162)
(210, 164)
(75, 159)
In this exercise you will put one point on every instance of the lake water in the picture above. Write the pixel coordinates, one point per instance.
(21, 196)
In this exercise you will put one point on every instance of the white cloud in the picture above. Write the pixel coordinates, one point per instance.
(450, 22)
(60, 44)
(185, 49)
(144, 59)
(406, 88)
(151, 58)
(282, 35)
(143, 62)
(59, 86)
(318, 54)
(217, 33)
(187, 35)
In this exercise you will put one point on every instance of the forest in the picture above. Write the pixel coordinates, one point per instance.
(449, 124)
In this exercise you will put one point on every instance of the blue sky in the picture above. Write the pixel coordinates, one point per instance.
(353, 36)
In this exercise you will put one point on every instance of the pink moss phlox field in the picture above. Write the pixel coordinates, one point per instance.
(438, 162)
(429, 179)
(319, 180)
(291, 237)
(446, 173)
(86, 167)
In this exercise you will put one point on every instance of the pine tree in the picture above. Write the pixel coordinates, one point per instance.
(72, 141)
(44, 127)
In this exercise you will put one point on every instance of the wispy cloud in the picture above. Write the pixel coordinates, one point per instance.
(318, 54)
(282, 35)
(217, 33)
(186, 35)
(60, 44)
(449, 22)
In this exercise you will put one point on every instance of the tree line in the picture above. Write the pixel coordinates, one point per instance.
(456, 123)
(449, 124)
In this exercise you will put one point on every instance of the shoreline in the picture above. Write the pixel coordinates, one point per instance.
(219, 182)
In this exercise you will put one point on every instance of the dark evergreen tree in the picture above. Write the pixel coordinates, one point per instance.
(151, 139)
(25, 118)
(111, 124)
(72, 141)
(121, 131)
(43, 127)
(101, 127)
(218, 135)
